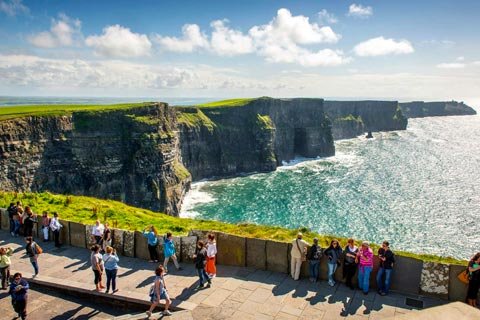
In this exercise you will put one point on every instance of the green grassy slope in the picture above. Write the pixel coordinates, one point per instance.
(226, 103)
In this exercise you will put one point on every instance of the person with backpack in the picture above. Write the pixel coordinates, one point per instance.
(333, 253)
(169, 251)
(298, 253)
(11, 210)
(474, 280)
(349, 264)
(159, 291)
(387, 259)
(18, 291)
(314, 256)
(200, 260)
(5, 262)
(33, 250)
(55, 226)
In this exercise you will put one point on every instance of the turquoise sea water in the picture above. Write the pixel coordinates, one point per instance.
(419, 189)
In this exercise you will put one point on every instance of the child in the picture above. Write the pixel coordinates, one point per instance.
(169, 251)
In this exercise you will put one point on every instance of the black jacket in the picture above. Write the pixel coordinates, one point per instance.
(200, 258)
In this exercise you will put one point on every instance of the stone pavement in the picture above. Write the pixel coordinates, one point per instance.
(236, 293)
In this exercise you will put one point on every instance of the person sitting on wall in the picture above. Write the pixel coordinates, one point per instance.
(334, 254)
(97, 233)
(299, 254)
(387, 259)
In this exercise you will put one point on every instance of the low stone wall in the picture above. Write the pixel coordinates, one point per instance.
(410, 275)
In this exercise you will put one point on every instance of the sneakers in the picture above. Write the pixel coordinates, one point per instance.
(167, 313)
(200, 286)
(331, 283)
(149, 314)
(179, 269)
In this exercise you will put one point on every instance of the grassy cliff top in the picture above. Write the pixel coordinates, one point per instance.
(87, 209)
(60, 109)
(227, 103)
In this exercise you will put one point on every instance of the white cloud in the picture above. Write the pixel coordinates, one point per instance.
(63, 32)
(191, 40)
(118, 41)
(452, 65)
(461, 58)
(13, 7)
(357, 10)
(380, 46)
(229, 42)
(326, 17)
(476, 63)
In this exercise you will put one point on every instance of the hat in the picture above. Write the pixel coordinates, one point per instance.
(365, 243)
(299, 235)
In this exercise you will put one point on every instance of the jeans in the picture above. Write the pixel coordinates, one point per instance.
(203, 276)
(332, 267)
(56, 236)
(314, 268)
(364, 278)
(35, 265)
(111, 277)
(384, 286)
(16, 228)
(12, 225)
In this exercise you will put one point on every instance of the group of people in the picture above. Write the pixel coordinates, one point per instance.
(354, 260)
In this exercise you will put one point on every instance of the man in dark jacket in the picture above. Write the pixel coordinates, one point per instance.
(12, 210)
(18, 292)
(387, 259)
(200, 259)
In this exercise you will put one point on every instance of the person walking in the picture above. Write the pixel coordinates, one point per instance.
(333, 253)
(107, 237)
(349, 264)
(210, 267)
(96, 260)
(200, 260)
(299, 254)
(110, 260)
(365, 266)
(474, 283)
(29, 221)
(159, 291)
(387, 259)
(5, 262)
(19, 291)
(314, 256)
(33, 250)
(169, 251)
(97, 232)
(12, 210)
(55, 226)
(152, 240)
(45, 225)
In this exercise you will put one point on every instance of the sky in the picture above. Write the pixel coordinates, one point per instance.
(362, 49)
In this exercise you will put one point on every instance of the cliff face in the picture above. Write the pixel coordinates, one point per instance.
(129, 155)
(352, 118)
(420, 109)
(258, 136)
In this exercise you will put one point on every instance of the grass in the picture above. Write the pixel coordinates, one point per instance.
(265, 122)
(87, 209)
(227, 103)
(194, 117)
(350, 117)
(60, 109)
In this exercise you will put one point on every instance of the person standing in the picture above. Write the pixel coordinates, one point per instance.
(45, 225)
(349, 264)
(17, 217)
(474, 283)
(18, 292)
(333, 253)
(211, 254)
(200, 260)
(29, 221)
(159, 291)
(33, 250)
(365, 261)
(96, 260)
(107, 237)
(55, 226)
(152, 241)
(169, 251)
(97, 232)
(299, 254)
(314, 256)
(110, 260)
(12, 210)
(5, 262)
(387, 259)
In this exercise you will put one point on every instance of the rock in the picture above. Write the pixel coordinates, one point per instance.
(435, 279)
(277, 256)
(188, 248)
(117, 240)
(420, 109)
(128, 243)
(256, 253)
(231, 250)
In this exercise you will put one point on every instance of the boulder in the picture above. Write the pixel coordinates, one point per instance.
(435, 279)
(231, 250)
(256, 253)
(77, 235)
(88, 236)
(141, 246)
(5, 219)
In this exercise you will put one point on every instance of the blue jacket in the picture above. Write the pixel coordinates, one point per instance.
(110, 261)
(152, 238)
(168, 247)
(21, 294)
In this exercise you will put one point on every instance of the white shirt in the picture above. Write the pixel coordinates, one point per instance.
(98, 230)
(302, 244)
(54, 224)
(211, 249)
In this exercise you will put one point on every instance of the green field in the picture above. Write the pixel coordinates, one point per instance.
(87, 209)
(60, 109)
(227, 103)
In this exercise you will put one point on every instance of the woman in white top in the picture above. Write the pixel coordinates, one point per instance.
(211, 253)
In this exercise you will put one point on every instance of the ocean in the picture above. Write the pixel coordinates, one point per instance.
(419, 189)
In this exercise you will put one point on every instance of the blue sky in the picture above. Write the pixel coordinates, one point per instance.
(345, 49)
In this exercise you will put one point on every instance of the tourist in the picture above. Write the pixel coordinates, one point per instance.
(55, 226)
(211, 245)
(33, 250)
(97, 232)
(11, 210)
(299, 254)
(152, 241)
(29, 221)
(365, 266)
(45, 225)
(18, 292)
(333, 253)
(387, 259)
(107, 237)
(110, 260)
(16, 221)
(96, 260)
(5, 262)
(474, 283)
(349, 264)
(159, 291)
(200, 260)
(314, 256)
(169, 251)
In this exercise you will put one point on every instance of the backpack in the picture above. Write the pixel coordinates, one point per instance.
(38, 249)
(317, 255)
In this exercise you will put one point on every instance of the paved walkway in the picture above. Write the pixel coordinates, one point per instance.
(236, 293)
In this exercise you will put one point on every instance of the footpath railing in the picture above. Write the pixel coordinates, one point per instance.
(410, 275)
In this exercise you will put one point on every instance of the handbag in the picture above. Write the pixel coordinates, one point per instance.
(464, 277)
(304, 256)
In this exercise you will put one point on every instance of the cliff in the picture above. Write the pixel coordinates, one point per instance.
(420, 109)
(353, 118)
(130, 155)
(254, 136)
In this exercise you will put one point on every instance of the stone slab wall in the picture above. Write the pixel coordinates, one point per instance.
(457, 291)
(188, 248)
(77, 234)
(406, 275)
(256, 253)
(129, 243)
(5, 219)
(117, 240)
(64, 232)
(231, 250)
(435, 279)
(277, 256)
(141, 246)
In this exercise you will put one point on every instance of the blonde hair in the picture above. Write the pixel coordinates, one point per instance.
(108, 249)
